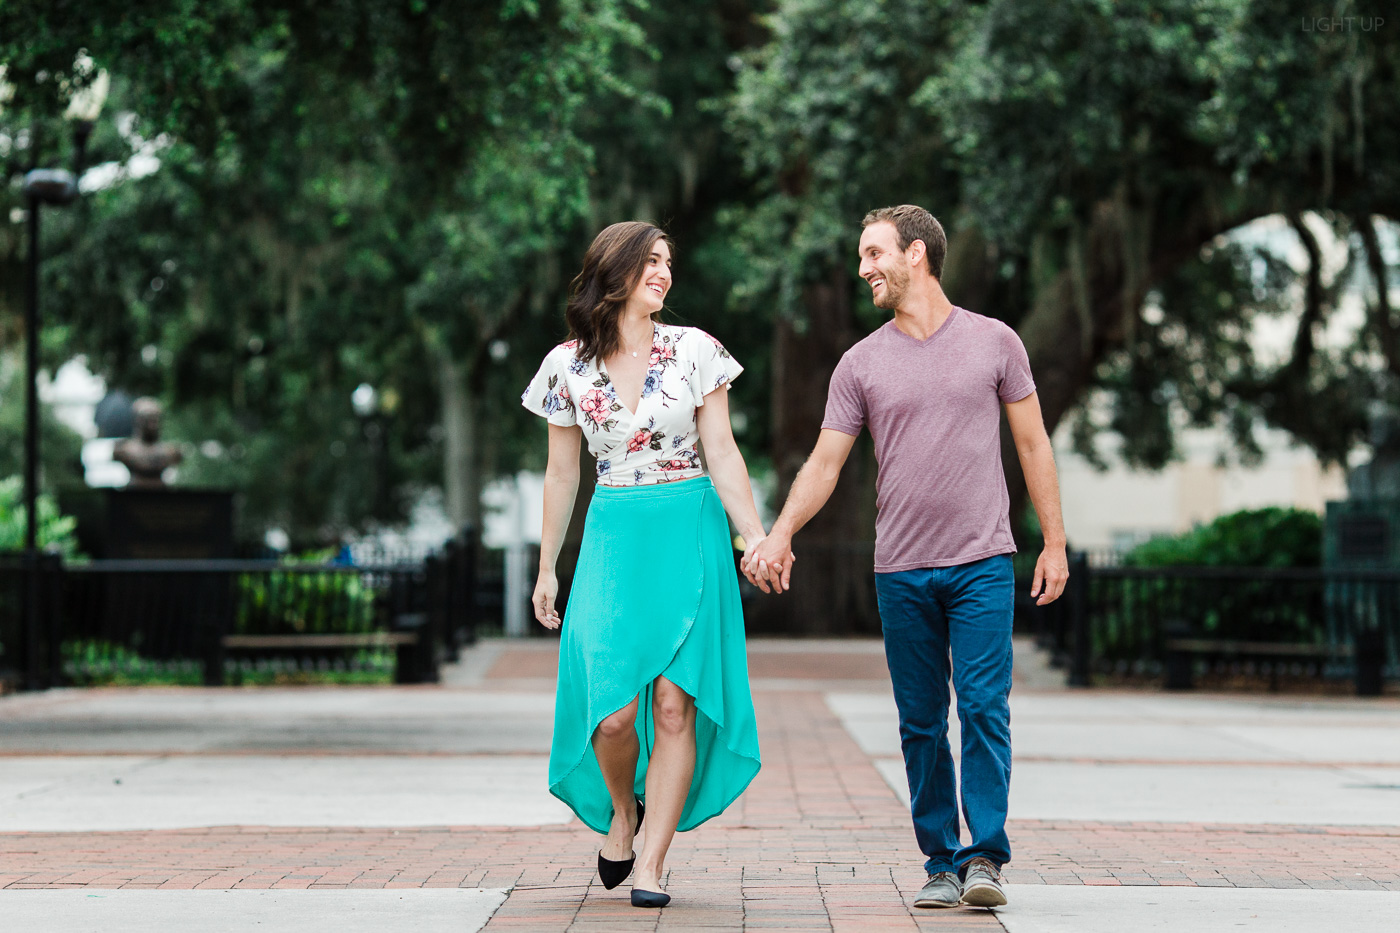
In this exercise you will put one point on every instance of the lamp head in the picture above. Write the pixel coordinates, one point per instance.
(364, 400)
(51, 186)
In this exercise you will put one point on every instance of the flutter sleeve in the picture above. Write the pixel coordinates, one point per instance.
(548, 393)
(712, 366)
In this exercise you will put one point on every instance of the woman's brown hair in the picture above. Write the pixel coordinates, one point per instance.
(611, 269)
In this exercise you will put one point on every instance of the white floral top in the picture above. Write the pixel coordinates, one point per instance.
(655, 444)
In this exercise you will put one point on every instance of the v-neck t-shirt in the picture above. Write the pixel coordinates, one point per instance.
(658, 443)
(933, 408)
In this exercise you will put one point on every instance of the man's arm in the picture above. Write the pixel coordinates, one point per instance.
(772, 560)
(1038, 465)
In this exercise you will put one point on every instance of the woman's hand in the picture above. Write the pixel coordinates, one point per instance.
(546, 589)
(769, 561)
(749, 545)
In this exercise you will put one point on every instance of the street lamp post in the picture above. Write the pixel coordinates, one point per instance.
(365, 401)
(58, 187)
(41, 186)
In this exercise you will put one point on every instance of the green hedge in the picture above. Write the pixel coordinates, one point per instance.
(1272, 537)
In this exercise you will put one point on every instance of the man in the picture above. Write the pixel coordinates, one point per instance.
(930, 385)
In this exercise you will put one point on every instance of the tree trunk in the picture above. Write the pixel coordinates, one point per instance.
(461, 472)
(833, 590)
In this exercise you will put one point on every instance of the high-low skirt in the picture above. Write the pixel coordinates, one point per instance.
(655, 594)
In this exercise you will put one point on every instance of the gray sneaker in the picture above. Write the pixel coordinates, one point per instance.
(940, 890)
(981, 885)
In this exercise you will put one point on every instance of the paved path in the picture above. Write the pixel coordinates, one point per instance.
(159, 809)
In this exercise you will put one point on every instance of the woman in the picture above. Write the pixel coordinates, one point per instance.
(653, 696)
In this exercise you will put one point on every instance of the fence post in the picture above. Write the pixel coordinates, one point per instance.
(464, 586)
(435, 570)
(33, 626)
(1080, 636)
(213, 653)
(213, 624)
(1180, 664)
(1369, 648)
(445, 600)
(412, 612)
(51, 566)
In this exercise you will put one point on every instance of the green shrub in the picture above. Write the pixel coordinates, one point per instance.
(1272, 537)
(94, 663)
(56, 531)
(289, 603)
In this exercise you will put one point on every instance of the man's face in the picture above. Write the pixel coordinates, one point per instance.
(884, 265)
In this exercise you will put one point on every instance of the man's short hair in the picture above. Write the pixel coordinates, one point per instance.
(911, 223)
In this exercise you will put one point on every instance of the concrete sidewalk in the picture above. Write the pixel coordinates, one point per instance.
(426, 808)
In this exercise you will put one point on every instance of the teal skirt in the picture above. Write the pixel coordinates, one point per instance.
(655, 595)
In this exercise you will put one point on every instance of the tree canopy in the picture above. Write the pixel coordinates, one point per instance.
(397, 193)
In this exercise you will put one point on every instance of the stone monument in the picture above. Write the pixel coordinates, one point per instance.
(149, 519)
(161, 612)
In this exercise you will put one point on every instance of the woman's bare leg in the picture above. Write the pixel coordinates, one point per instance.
(616, 746)
(669, 772)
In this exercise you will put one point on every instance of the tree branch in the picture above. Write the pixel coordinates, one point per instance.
(1387, 332)
(1314, 302)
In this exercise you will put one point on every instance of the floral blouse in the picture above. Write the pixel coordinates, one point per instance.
(655, 444)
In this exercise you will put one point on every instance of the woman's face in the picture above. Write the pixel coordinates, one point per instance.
(655, 282)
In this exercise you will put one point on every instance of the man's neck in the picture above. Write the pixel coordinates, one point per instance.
(923, 311)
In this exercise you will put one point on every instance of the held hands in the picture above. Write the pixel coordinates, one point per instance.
(546, 589)
(768, 562)
(1051, 575)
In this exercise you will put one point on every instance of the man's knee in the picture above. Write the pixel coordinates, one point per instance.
(984, 710)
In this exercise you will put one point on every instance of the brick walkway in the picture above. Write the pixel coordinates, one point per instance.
(818, 843)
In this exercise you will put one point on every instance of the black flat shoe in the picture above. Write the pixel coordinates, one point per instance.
(613, 873)
(649, 898)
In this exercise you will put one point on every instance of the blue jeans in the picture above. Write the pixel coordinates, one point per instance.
(929, 615)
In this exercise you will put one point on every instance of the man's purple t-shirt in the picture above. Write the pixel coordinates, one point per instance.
(934, 409)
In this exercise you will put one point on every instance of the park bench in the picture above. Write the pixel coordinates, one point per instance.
(410, 664)
(1182, 652)
(298, 642)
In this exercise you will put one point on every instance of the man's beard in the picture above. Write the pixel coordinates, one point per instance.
(896, 287)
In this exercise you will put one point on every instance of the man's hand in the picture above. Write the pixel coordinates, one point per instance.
(1051, 575)
(769, 561)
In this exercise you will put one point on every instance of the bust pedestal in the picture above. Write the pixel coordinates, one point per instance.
(166, 613)
(165, 523)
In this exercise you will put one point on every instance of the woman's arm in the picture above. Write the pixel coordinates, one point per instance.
(727, 468)
(560, 490)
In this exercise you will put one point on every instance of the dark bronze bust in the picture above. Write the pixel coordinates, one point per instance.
(145, 455)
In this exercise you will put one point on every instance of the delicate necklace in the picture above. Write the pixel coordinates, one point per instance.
(634, 352)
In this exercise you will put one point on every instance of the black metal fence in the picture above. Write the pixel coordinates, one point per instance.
(216, 622)
(245, 621)
(1178, 621)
